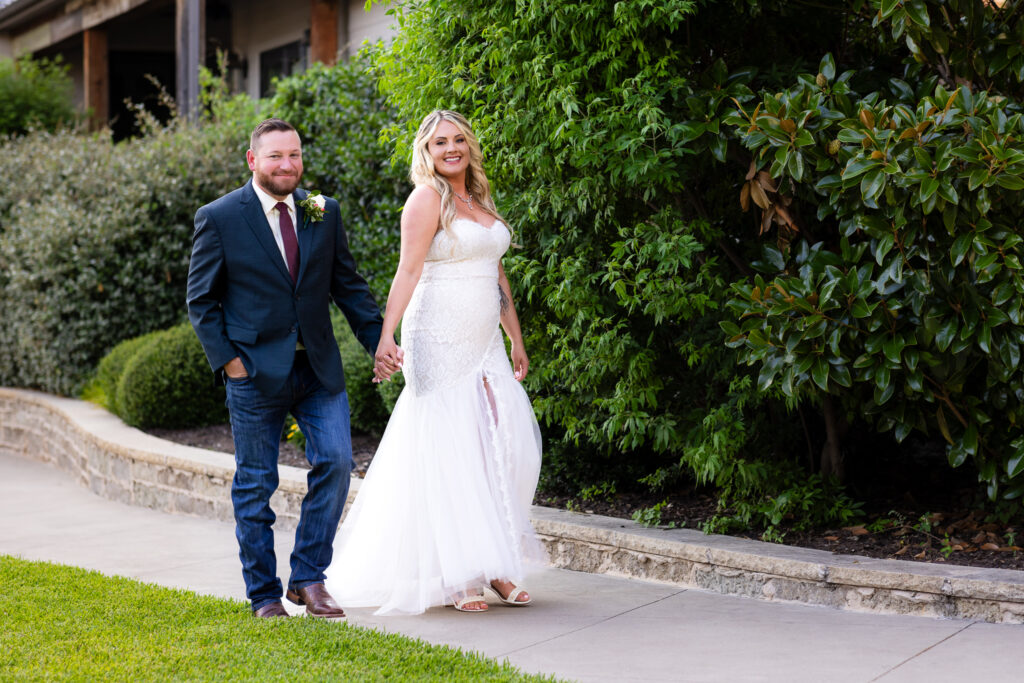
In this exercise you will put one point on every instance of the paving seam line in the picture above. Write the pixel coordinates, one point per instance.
(129, 466)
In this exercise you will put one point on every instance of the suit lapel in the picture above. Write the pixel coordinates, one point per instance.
(305, 234)
(252, 211)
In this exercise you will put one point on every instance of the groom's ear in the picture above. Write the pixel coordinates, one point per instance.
(250, 157)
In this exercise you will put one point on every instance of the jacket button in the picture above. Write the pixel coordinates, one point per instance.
(292, 329)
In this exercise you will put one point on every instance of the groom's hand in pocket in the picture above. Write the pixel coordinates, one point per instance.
(234, 369)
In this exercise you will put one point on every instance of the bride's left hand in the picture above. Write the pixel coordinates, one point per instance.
(520, 362)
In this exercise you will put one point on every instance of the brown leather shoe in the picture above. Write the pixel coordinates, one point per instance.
(317, 600)
(271, 609)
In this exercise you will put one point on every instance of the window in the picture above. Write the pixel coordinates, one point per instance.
(280, 62)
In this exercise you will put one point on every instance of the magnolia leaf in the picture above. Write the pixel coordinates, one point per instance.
(857, 167)
(1010, 182)
(1015, 465)
(827, 67)
(766, 182)
(940, 418)
(758, 195)
(820, 374)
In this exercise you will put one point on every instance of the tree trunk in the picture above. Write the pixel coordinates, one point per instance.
(832, 464)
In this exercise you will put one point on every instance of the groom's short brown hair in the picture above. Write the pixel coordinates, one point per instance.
(268, 126)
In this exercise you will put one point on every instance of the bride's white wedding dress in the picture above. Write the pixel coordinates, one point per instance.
(444, 507)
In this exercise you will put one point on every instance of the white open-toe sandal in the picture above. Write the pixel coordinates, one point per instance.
(461, 603)
(512, 595)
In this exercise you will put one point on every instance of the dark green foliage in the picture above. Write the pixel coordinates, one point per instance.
(34, 94)
(111, 369)
(902, 302)
(95, 238)
(339, 114)
(366, 408)
(613, 140)
(167, 383)
(600, 126)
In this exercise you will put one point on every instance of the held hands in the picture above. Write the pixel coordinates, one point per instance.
(388, 359)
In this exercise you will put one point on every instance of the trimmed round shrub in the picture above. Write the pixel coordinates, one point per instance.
(167, 383)
(111, 368)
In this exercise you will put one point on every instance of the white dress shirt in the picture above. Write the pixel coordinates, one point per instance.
(273, 216)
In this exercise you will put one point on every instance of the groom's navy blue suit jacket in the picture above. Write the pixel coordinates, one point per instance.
(242, 302)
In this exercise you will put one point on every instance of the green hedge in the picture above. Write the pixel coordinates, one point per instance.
(34, 94)
(95, 238)
(627, 139)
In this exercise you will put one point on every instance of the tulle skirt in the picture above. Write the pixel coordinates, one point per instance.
(444, 507)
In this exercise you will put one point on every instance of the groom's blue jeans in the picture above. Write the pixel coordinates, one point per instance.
(256, 423)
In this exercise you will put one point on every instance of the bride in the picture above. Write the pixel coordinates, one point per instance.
(443, 511)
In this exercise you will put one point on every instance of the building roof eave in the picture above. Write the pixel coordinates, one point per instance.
(21, 12)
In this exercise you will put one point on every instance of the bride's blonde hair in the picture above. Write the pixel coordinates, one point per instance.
(424, 173)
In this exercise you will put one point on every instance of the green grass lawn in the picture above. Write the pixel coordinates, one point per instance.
(69, 623)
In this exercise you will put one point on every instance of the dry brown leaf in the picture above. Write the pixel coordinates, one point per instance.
(745, 197)
(788, 125)
(758, 195)
(989, 546)
(867, 118)
(856, 530)
(1010, 549)
(784, 217)
(979, 538)
(766, 220)
(878, 154)
(920, 555)
(902, 550)
(766, 181)
(831, 538)
(752, 171)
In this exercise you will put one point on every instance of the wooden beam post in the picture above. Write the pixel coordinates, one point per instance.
(96, 69)
(323, 31)
(190, 51)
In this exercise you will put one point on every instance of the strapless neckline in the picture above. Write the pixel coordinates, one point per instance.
(485, 227)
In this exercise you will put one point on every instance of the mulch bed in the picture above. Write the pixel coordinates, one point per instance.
(218, 438)
(908, 530)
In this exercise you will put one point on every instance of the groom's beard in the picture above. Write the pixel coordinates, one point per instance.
(279, 185)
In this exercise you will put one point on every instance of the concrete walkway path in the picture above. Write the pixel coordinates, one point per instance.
(581, 626)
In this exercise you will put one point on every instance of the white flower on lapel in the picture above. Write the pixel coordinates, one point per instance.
(314, 207)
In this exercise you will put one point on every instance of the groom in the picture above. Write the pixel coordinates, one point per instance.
(265, 265)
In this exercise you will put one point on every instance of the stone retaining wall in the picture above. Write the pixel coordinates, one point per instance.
(124, 464)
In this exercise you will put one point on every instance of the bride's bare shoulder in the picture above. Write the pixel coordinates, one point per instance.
(423, 197)
(422, 209)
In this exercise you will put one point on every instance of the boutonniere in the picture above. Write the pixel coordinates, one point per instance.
(313, 206)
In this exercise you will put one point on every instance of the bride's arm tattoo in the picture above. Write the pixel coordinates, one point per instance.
(504, 300)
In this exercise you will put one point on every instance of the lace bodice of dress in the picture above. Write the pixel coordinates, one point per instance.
(451, 325)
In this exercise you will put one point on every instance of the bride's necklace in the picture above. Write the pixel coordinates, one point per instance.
(468, 199)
